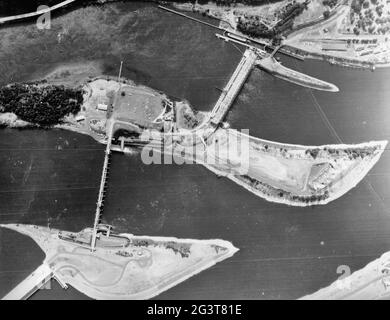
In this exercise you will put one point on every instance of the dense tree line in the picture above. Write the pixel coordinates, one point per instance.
(230, 2)
(252, 25)
(329, 3)
(356, 6)
(42, 105)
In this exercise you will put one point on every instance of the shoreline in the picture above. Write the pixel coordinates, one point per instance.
(368, 283)
(198, 9)
(336, 60)
(175, 279)
(335, 190)
(144, 254)
(338, 186)
(332, 59)
(318, 174)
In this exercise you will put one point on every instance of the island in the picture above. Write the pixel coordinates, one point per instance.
(128, 117)
(370, 283)
(122, 266)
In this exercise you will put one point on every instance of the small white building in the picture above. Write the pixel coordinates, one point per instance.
(102, 107)
(80, 118)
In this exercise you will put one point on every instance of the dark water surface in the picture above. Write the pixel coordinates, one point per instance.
(52, 177)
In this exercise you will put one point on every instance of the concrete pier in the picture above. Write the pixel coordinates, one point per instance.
(31, 284)
(233, 87)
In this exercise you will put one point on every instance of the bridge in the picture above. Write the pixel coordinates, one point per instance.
(102, 188)
(233, 87)
(35, 281)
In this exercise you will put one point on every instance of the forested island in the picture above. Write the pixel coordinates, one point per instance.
(40, 104)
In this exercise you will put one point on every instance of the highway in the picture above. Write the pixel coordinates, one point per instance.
(33, 14)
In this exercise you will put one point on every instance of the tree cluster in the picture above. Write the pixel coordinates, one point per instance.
(253, 26)
(329, 3)
(356, 6)
(41, 105)
(227, 3)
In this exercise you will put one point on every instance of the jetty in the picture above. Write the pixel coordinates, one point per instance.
(188, 17)
(275, 68)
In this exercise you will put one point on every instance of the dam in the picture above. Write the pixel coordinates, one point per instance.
(102, 188)
(233, 87)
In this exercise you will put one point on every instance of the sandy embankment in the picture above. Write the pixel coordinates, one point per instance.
(348, 173)
(369, 283)
(11, 120)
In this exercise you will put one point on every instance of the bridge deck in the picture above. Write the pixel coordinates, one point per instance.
(102, 188)
(233, 87)
(31, 284)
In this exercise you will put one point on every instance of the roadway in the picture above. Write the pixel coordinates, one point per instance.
(34, 14)
(31, 284)
(233, 87)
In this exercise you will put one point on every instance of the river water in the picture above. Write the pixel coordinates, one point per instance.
(52, 177)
